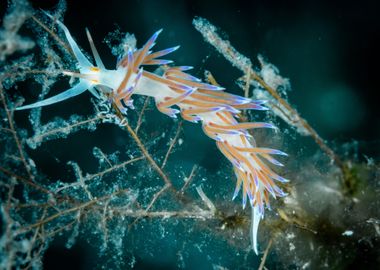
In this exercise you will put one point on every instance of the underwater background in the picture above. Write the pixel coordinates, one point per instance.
(326, 52)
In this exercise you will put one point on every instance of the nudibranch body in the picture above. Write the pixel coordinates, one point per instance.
(195, 101)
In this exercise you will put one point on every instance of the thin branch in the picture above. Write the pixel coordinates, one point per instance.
(142, 148)
(171, 214)
(57, 215)
(8, 223)
(99, 174)
(155, 197)
(295, 221)
(139, 121)
(247, 82)
(206, 200)
(25, 180)
(7, 129)
(199, 214)
(189, 179)
(70, 210)
(303, 227)
(264, 258)
(173, 142)
(113, 168)
(106, 158)
(62, 228)
(148, 156)
(53, 131)
(54, 35)
(15, 137)
(34, 239)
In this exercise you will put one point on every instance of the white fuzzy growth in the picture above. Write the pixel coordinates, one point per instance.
(271, 76)
(281, 111)
(10, 41)
(209, 32)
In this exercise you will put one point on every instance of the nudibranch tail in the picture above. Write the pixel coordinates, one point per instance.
(177, 92)
(256, 217)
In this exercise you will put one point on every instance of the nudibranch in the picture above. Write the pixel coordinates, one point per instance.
(195, 101)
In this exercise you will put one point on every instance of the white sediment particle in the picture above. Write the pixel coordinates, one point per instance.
(311, 245)
(290, 236)
(348, 233)
(306, 265)
(218, 267)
